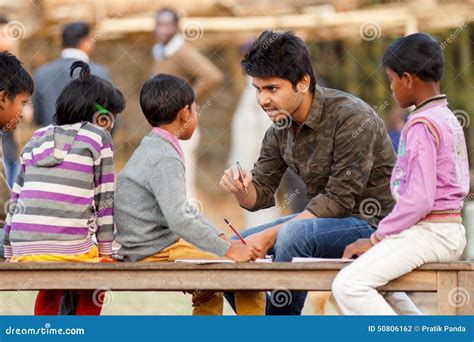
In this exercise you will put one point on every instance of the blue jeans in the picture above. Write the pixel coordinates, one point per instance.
(12, 166)
(317, 237)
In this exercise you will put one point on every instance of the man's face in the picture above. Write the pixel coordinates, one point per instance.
(277, 97)
(11, 110)
(165, 28)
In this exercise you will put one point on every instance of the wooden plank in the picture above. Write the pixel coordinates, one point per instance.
(465, 300)
(395, 20)
(447, 292)
(126, 266)
(194, 279)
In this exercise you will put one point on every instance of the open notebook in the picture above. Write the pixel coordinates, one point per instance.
(320, 260)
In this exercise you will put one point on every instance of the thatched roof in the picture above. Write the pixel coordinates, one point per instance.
(213, 21)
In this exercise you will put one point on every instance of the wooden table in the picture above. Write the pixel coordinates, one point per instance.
(454, 282)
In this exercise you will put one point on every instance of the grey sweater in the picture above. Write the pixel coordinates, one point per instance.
(150, 208)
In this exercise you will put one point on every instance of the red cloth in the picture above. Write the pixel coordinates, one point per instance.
(89, 303)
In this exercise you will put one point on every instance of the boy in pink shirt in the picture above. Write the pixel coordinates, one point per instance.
(429, 183)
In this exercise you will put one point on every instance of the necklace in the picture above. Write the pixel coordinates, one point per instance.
(431, 99)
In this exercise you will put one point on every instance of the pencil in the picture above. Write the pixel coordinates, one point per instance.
(235, 231)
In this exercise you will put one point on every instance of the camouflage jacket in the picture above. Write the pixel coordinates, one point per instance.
(343, 154)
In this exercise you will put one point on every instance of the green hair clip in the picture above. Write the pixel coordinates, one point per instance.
(101, 109)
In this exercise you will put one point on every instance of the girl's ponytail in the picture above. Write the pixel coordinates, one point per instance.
(85, 69)
(88, 98)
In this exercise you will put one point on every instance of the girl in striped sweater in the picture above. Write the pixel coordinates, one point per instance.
(62, 201)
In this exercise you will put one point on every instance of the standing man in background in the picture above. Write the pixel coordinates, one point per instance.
(50, 79)
(173, 55)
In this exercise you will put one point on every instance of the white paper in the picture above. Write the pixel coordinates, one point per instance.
(320, 260)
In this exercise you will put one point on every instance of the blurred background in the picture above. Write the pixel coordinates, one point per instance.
(128, 41)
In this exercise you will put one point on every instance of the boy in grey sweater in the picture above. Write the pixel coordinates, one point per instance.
(155, 221)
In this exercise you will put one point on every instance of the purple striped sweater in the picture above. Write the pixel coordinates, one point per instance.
(63, 195)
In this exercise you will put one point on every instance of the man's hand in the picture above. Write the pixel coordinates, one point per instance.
(231, 182)
(263, 240)
(358, 247)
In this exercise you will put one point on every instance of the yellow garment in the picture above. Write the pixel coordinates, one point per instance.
(209, 302)
(91, 256)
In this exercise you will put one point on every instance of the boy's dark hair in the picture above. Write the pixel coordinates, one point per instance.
(163, 96)
(83, 97)
(417, 54)
(14, 79)
(73, 33)
(170, 11)
(279, 54)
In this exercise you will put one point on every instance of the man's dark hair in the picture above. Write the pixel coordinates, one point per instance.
(14, 79)
(279, 54)
(3, 20)
(417, 54)
(163, 96)
(168, 10)
(83, 97)
(73, 33)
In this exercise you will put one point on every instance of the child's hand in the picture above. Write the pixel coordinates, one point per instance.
(242, 253)
(232, 242)
(263, 241)
(358, 247)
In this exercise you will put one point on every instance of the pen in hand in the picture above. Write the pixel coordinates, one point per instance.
(241, 176)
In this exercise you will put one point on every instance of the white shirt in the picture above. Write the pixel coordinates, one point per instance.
(75, 54)
(161, 50)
